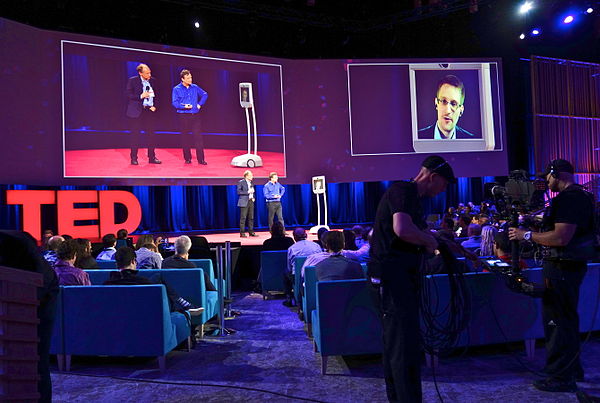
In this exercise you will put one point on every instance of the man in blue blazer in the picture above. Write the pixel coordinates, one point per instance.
(141, 111)
(246, 199)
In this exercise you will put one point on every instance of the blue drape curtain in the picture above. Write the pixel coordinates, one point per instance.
(214, 208)
(566, 114)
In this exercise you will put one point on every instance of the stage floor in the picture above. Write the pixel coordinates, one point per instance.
(235, 237)
(115, 163)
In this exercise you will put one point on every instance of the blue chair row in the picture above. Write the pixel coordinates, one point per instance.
(188, 283)
(116, 321)
(273, 266)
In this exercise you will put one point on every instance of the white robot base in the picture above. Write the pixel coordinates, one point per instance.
(247, 161)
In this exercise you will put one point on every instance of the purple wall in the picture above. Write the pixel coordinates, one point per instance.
(315, 101)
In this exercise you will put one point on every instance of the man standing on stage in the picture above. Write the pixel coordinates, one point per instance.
(141, 109)
(245, 191)
(273, 191)
(188, 99)
(569, 241)
(400, 240)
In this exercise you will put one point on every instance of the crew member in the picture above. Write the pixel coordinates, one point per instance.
(569, 241)
(273, 192)
(141, 109)
(188, 99)
(246, 199)
(399, 243)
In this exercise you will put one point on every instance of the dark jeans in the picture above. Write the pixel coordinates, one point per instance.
(398, 300)
(560, 317)
(146, 122)
(191, 135)
(275, 208)
(288, 285)
(46, 313)
(248, 212)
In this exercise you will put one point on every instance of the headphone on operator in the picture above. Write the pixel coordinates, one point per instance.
(438, 167)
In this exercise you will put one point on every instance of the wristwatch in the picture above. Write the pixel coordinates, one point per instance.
(527, 236)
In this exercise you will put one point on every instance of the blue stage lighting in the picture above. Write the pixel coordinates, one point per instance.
(568, 19)
(535, 31)
(589, 10)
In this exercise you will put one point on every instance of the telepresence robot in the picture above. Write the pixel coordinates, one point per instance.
(248, 160)
(318, 188)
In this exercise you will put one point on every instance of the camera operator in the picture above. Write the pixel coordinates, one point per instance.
(568, 240)
(399, 243)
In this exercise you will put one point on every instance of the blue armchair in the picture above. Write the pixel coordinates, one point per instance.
(273, 266)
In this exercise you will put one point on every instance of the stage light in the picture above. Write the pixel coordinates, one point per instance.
(197, 24)
(589, 10)
(522, 36)
(525, 7)
(568, 19)
(535, 32)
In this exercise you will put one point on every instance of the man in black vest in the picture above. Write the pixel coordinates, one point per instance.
(568, 241)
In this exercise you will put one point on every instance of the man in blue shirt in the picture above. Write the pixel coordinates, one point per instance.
(141, 109)
(188, 99)
(273, 191)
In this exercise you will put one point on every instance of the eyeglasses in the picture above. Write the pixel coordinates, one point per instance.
(445, 102)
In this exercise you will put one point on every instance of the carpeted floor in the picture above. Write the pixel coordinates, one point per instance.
(270, 358)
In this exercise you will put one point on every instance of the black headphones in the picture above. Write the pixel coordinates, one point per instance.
(438, 167)
(554, 172)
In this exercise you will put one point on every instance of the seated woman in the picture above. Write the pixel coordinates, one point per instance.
(278, 240)
(85, 260)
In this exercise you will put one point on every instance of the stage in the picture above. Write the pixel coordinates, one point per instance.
(235, 237)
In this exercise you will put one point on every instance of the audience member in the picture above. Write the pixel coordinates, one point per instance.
(66, 237)
(503, 247)
(483, 220)
(147, 253)
(53, 244)
(278, 240)
(359, 235)
(349, 240)
(85, 260)
(302, 247)
(19, 250)
(122, 239)
(447, 228)
(126, 261)
(46, 235)
(320, 233)
(336, 266)
(180, 260)
(362, 254)
(65, 268)
(474, 234)
(463, 223)
(488, 233)
(109, 242)
(200, 248)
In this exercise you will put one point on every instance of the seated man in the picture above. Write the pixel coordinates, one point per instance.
(362, 254)
(474, 241)
(336, 266)
(302, 247)
(109, 241)
(147, 256)
(180, 260)
(125, 258)
(65, 268)
(53, 244)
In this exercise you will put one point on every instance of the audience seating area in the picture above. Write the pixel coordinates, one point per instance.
(116, 321)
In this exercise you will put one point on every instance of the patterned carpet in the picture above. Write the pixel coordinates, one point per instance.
(270, 358)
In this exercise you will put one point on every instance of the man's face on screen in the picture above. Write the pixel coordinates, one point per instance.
(187, 80)
(146, 73)
(449, 108)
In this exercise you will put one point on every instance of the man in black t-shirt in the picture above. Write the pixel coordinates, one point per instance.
(400, 240)
(569, 239)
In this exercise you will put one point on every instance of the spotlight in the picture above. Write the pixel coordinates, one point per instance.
(522, 36)
(589, 10)
(568, 19)
(525, 7)
(535, 32)
(197, 24)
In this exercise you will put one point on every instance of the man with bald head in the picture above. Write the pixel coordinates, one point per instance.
(141, 111)
(53, 244)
